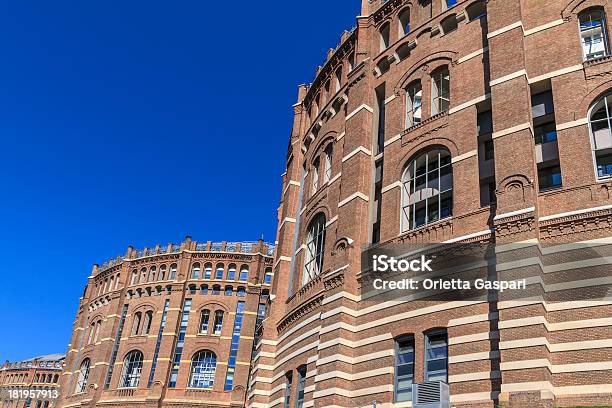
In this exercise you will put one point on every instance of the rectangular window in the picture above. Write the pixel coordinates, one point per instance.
(219, 273)
(315, 177)
(484, 123)
(218, 322)
(158, 343)
(231, 364)
(301, 385)
(549, 177)
(545, 133)
(542, 104)
(436, 357)
(111, 366)
(404, 369)
(377, 203)
(204, 321)
(328, 164)
(440, 92)
(380, 131)
(604, 163)
(489, 150)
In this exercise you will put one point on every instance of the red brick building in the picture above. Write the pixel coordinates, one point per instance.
(35, 374)
(168, 326)
(445, 121)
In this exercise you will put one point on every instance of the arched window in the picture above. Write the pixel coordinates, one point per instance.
(218, 326)
(148, 319)
(231, 272)
(162, 273)
(172, 272)
(152, 271)
(600, 119)
(268, 277)
(82, 376)
(327, 174)
(195, 271)
(136, 323)
(216, 289)
(338, 79)
(134, 277)
(476, 10)
(404, 22)
(92, 330)
(229, 290)
(244, 273)
(315, 247)
(219, 272)
(204, 320)
(203, 367)
(385, 36)
(593, 34)
(314, 185)
(440, 90)
(112, 281)
(427, 189)
(241, 291)
(143, 275)
(132, 368)
(97, 333)
(207, 271)
(414, 103)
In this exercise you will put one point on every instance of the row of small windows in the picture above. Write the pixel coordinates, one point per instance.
(23, 378)
(152, 275)
(216, 290)
(201, 374)
(230, 275)
(15, 403)
(108, 285)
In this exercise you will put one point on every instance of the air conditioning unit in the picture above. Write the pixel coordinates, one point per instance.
(435, 394)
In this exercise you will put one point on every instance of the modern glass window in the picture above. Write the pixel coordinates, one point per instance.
(549, 177)
(593, 34)
(244, 274)
(427, 189)
(601, 136)
(545, 133)
(219, 272)
(195, 271)
(436, 356)
(83, 375)
(160, 333)
(231, 272)
(327, 174)
(203, 367)
(180, 343)
(404, 22)
(132, 369)
(288, 381)
(172, 272)
(404, 369)
(301, 385)
(207, 271)
(315, 247)
(136, 323)
(218, 326)
(414, 104)
(440, 90)
(204, 320)
(233, 355)
(314, 177)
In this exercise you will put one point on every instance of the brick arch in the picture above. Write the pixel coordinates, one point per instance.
(320, 145)
(415, 150)
(574, 7)
(213, 306)
(145, 305)
(591, 98)
(423, 68)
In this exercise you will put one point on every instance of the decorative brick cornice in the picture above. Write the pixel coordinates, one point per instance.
(576, 224)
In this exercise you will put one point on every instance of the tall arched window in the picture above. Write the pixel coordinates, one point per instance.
(338, 79)
(195, 271)
(172, 272)
(152, 271)
(207, 271)
(148, 319)
(204, 319)
(593, 34)
(440, 90)
(162, 273)
(231, 272)
(327, 175)
(219, 272)
(143, 275)
(385, 36)
(203, 367)
(132, 368)
(315, 248)
(404, 22)
(314, 185)
(427, 189)
(83, 375)
(136, 323)
(218, 327)
(414, 103)
(600, 119)
(97, 333)
(134, 277)
(244, 273)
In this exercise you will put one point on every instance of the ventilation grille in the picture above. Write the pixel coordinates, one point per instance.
(430, 395)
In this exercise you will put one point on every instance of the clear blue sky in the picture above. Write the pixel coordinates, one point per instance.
(135, 123)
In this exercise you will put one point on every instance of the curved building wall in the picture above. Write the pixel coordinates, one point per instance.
(501, 94)
(168, 326)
